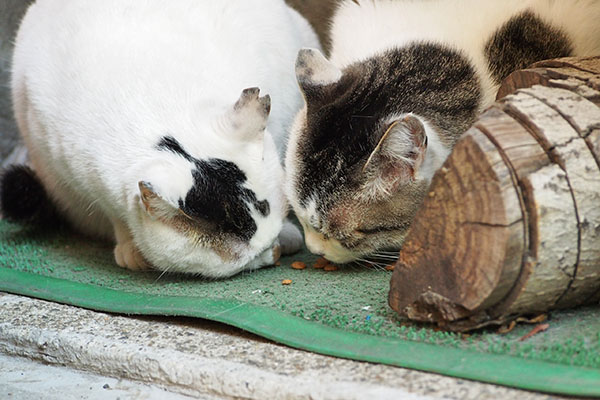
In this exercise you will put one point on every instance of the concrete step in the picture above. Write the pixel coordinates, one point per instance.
(198, 358)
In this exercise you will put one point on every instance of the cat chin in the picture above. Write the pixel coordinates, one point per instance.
(205, 261)
(169, 250)
(329, 248)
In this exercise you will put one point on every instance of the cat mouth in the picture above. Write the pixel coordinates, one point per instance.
(341, 258)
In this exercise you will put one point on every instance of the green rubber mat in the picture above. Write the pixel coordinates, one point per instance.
(342, 313)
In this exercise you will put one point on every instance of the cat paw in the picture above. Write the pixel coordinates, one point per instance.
(128, 256)
(290, 238)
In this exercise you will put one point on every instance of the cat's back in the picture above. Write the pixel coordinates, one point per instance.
(146, 56)
(363, 28)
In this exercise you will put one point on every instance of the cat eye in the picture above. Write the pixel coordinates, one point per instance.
(377, 229)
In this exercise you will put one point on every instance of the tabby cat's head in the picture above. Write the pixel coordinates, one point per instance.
(360, 158)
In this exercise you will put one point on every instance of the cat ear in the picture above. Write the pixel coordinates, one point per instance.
(314, 70)
(396, 158)
(248, 116)
(154, 204)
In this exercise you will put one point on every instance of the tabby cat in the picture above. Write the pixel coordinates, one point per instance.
(404, 80)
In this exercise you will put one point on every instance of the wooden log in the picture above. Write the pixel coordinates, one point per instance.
(456, 274)
(487, 238)
(580, 75)
(563, 120)
(552, 253)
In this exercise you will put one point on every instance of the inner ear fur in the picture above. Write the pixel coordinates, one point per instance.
(249, 115)
(154, 205)
(397, 157)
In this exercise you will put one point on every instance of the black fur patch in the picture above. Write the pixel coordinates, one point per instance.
(218, 196)
(521, 41)
(169, 143)
(345, 120)
(23, 199)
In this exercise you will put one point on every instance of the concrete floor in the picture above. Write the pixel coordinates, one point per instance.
(52, 351)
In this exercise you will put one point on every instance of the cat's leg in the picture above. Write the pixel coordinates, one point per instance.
(127, 255)
(290, 238)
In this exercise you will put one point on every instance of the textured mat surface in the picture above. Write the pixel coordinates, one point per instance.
(342, 313)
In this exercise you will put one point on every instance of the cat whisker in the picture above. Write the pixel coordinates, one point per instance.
(373, 264)
(355, 263)
(389, 252)
(161, 275)
(390, 256)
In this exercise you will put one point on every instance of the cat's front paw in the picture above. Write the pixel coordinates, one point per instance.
(128, 256)
(290, 238)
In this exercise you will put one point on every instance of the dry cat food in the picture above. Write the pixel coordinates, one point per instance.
(298, 265)
(320, 263)
(286, 281)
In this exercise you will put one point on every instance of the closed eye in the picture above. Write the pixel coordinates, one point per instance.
(379, 229)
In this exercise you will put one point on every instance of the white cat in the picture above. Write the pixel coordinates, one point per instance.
(144, 124)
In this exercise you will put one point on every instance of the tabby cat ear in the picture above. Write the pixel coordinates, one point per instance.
(396, 158)
(313, 70)
(154, 205)
(248, 116)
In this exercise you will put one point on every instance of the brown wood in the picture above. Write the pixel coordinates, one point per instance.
(552, 253)
(485, 238)
(581, 76)
(567, 121)
(512, 222)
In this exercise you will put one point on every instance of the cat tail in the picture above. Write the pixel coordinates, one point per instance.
(23, 199)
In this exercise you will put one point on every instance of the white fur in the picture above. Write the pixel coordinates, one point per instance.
(313, 68)
(96, 84)
(369, 27)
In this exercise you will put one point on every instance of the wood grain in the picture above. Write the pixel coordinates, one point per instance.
(512, 222)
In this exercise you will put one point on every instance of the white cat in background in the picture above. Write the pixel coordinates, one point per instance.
(140, 130)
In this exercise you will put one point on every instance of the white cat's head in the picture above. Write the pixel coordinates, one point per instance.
(363, 149)
(215, 215)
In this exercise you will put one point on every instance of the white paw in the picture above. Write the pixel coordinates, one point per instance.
(290, 238)
(128, 256)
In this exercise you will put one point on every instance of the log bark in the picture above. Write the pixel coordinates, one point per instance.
(511, 225)
(487, 238)
(580, 75)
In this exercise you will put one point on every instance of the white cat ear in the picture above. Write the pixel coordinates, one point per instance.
(248, 116)
(314, 70)
(396, 158)
(154, 204)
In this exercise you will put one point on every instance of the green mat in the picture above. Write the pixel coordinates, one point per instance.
(342, 313)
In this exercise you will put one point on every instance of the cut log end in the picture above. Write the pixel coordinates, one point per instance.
(513, 227)
(477, 238)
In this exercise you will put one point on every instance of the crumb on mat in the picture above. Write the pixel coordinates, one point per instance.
(320, 263)
(298, 265)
